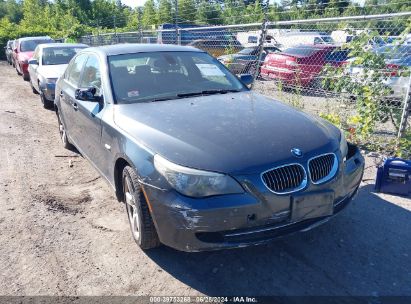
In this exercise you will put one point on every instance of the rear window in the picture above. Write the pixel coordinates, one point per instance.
(327, 39)
(30, 45)
(59, 55)
(300, 51)
(337, 56)
(248, 51)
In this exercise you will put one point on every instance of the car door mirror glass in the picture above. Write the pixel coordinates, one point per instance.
(88, 94)
(33, 61)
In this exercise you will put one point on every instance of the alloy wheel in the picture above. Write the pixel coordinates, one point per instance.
(132, 210)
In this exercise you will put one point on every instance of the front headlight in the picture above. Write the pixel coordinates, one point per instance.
(51, 80)
(343, 145)
(193, 182)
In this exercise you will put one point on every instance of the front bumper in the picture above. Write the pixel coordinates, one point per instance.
(251, 218)
(48, 90)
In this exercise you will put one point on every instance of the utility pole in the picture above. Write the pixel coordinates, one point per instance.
(140, 28)
(115, 28)
(261, 43)
(176, 21)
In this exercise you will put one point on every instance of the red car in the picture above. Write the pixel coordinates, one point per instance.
(23, 51)
(300, 65)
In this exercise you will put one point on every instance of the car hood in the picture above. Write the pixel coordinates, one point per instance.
(231, 133)
(52, 71)
(25, 55)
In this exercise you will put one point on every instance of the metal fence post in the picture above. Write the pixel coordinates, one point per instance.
(406, 110)
(260, 49)
(179, 36)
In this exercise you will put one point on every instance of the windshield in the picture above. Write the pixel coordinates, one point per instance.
(248, 51)
(300, 51)
(30, 45)
(327, 39)
(59, 55)
(153, 76)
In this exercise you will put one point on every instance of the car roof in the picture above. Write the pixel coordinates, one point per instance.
(313, 46)
(57, 44)
(119, 49)
(34, 38)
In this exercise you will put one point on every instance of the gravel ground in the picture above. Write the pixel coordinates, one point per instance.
(63, 233)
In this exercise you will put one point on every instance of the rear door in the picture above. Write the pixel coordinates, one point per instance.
(66, 91)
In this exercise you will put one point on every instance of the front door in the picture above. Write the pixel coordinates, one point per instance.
(88, 113)
(66, 90)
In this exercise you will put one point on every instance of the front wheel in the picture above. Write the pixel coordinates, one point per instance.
(63, 134)
(47, 104)
(33, 88)
(17, 71)
(141, 223)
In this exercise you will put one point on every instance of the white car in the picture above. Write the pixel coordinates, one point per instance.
(48, 63)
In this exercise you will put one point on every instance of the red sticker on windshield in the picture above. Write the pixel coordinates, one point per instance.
(134, 93)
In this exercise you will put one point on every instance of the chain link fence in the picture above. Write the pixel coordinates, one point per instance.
(353, 71)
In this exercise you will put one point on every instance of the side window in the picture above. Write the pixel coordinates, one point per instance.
(317, 40)
(74, 70)
(91, 75)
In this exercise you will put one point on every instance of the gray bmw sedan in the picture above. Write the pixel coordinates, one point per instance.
(200, 161)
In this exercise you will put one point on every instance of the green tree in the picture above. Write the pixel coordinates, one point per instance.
(149, 18)
(209, 13)
(165, 12)
(187, 11)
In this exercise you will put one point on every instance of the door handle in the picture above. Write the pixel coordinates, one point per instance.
(75, 106)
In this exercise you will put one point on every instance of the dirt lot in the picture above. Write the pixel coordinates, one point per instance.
(63, 233)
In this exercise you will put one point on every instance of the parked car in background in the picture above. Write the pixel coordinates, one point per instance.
(217, 48)
(398, 62)
(298, 38)
(245, 61)
(342, 36)
(9, 51)
(23, 51)
(48, 63)
(251, 39)
(167, 33)
(300, 65)
(200, 161)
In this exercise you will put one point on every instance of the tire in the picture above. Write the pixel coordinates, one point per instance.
(33, 88)
(47, 104)
(63, 134)
(138, 213)
(18, 73)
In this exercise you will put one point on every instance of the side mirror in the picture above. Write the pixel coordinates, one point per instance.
(33, 61)
(15, 50)
(88, 94)
(247, 79)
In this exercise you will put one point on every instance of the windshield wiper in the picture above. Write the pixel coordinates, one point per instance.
(206, 92)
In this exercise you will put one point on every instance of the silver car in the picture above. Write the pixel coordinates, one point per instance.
(397, 58)
(48, 63)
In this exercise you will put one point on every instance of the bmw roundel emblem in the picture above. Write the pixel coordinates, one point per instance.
(297, 152)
